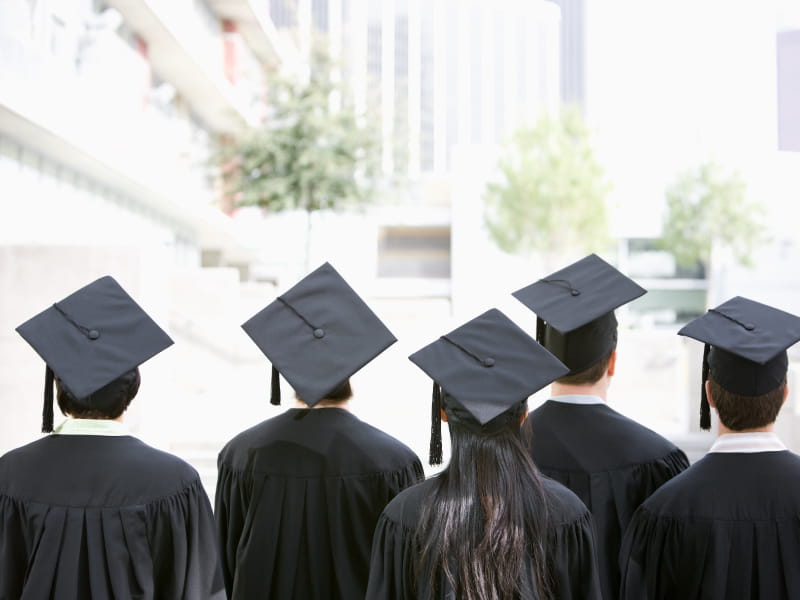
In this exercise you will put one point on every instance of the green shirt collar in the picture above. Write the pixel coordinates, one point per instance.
(91, 427)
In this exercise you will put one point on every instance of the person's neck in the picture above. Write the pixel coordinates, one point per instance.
(722, 430)
(343, 404)
(599, 389)
(118, 419)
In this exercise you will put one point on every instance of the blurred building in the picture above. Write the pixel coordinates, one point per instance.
(447, 81)
(788, 43)
(109, 114)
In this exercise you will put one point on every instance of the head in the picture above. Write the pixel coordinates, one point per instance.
(487, 516)
(738, 412)
(605, 366)
(109, 402)
(340, 394)
(583, 347)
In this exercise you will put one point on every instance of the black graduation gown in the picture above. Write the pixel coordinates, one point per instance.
(571, 547)
(297, 500)
(611, 462)
(85, 516)
(728, 528)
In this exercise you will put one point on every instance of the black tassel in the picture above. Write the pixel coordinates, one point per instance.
(275, 395)
(435, 453)
(705, 409)
(47, 409)
(540, 330)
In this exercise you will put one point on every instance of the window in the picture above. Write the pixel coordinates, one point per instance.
(420, 251)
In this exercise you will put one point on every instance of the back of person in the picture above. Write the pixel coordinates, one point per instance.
(319, 479)
(90, 511)
(103, 517)
(488, 527)
(298, 495)
(725, 529)
(569, 547)
(611, 462)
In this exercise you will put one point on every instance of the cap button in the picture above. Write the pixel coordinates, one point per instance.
(319, 333)
(93, 334)
(749, 326)
(575, 292)
(488, 361)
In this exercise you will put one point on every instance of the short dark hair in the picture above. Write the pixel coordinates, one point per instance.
(109, 402)
(341, 393)
(590, 375)
(738, 412)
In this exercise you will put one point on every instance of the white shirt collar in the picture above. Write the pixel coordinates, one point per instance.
(578, 399)
(91, 427)
(759, 441)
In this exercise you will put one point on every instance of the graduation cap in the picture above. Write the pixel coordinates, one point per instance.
(575, 310)
(745, 348)
(486, 369)
(317, 334)
(89, 339)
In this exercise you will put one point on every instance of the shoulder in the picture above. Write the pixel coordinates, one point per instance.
(238, 447)
(565, 508)
(380, 440)
(317, 442)
(94, 470)
(734, 486)
(18, 458)
(623, 442)
(405, 508)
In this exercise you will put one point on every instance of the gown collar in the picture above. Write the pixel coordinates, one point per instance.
(578, 399)
(760, 441)
(91, 427)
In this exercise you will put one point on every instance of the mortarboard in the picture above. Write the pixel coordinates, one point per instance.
(745, 347)
(90, 338)
(575, 310)
(486, 368)
(317, 334)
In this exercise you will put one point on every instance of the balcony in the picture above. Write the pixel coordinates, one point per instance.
(92, 119)
(184, 51)
(273, 48)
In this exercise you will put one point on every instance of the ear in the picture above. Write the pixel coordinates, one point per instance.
(709, 397)
(612, 363)
(523, 417)
(443, 415)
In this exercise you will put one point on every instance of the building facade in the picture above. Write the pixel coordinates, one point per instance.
(110, 112)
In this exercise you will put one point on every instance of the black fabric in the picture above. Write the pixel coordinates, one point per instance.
(435, 446)
(47, 409)
(611, 463)
(486, 367)
(298, 497)
(725, 529)
(93, 336)
(575, 309)
(570, 547)
(104, 517)
(318, 334)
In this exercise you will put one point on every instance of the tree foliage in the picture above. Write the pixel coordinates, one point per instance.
(308, 155)
(708, 205)
(551, 192)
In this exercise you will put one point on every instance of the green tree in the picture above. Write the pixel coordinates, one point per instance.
(308, 154)
(550, 196)
(707, 206)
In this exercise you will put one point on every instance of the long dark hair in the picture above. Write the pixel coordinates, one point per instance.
(486, 520)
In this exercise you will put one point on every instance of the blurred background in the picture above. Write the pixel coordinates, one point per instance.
(441, 154)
